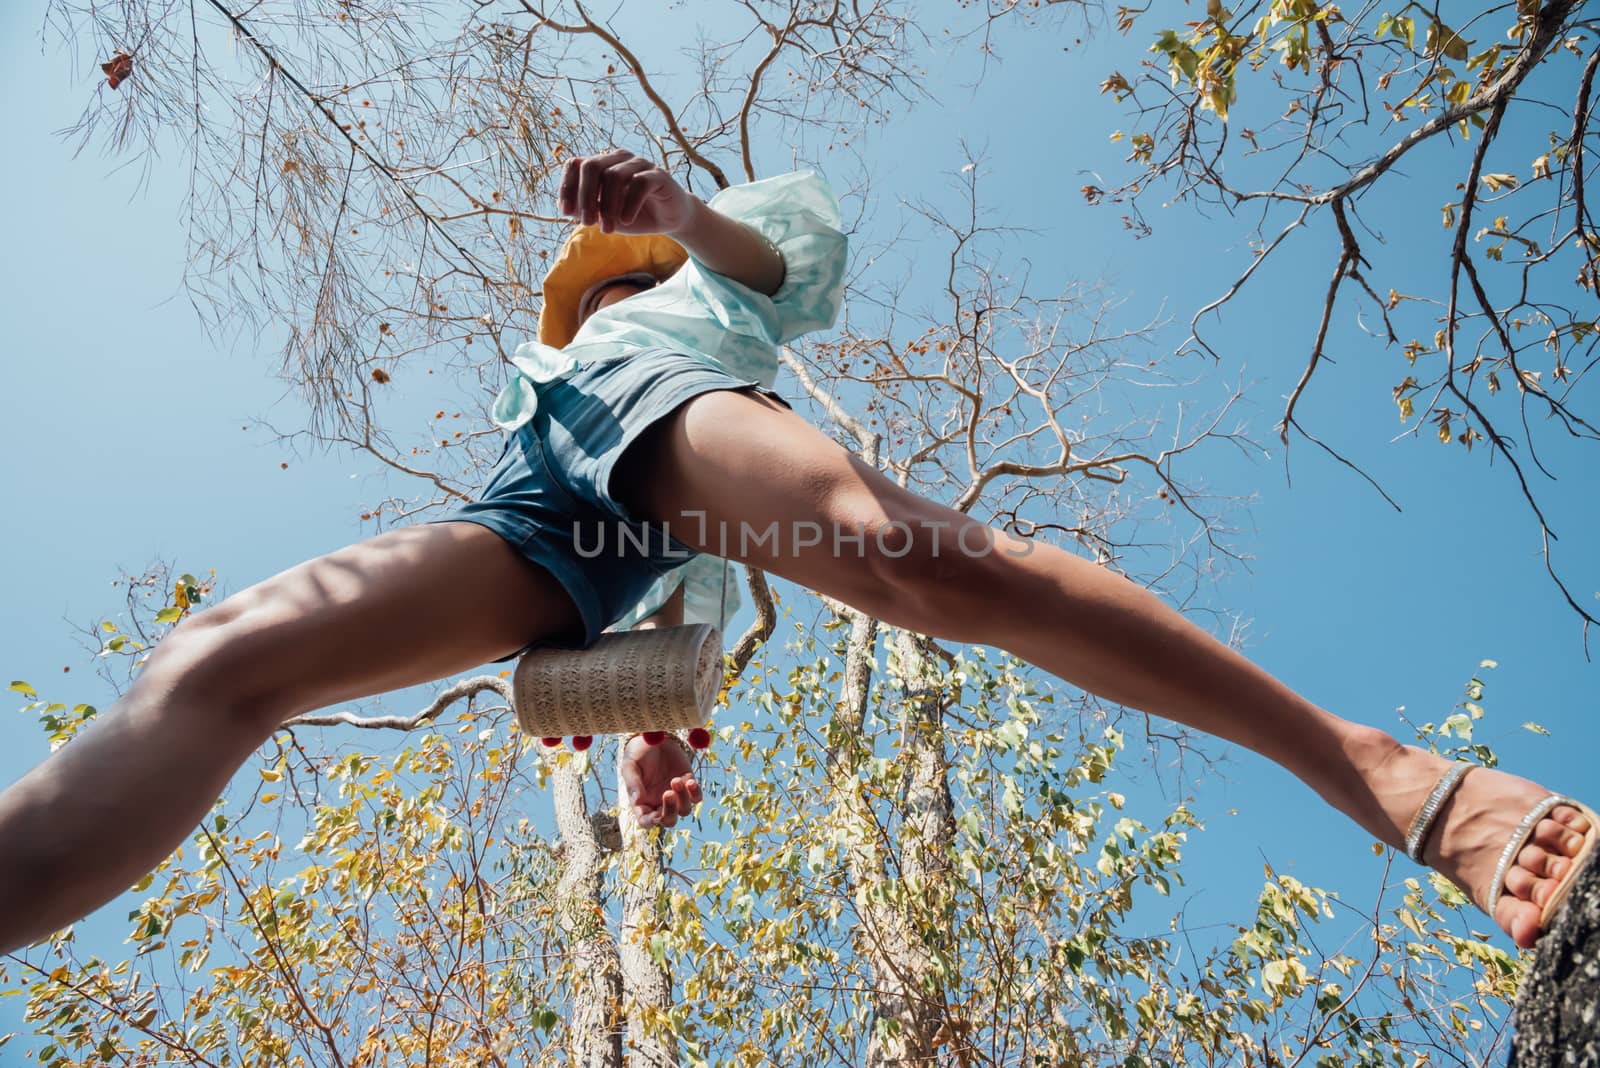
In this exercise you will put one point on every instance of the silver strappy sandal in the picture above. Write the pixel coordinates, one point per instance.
(1422, 824)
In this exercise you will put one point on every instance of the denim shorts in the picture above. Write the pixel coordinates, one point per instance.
(549, 494)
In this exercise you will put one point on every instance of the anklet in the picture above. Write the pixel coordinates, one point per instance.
(1422, 822)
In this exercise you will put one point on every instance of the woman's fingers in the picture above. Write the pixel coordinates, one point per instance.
(691, 791)
(585, 173)
(567, 198)
(592, 185)
(615, 186)
(669, 808)
(639, 190)
(590, 169)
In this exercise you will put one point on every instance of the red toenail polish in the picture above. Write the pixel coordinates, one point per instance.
(580, 742)
(700, 738)
(654, 737)
(551, 742)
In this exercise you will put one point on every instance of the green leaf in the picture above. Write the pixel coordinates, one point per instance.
(170, 614)
(1442, 39)
(1406, 26)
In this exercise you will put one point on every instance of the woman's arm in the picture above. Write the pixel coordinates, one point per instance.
(729, 247)
(624, 193)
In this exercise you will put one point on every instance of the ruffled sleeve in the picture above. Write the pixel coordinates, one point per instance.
(799, 214)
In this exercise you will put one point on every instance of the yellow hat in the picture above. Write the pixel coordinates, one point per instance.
(589, 256)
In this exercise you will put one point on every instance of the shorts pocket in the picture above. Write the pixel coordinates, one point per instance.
(533, 445)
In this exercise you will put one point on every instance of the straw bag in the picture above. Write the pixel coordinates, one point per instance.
(629, 682)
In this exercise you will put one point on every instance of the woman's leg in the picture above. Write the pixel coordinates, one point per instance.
(732, 460)
(404, 608)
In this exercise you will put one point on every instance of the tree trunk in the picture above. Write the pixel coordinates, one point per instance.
(899, 1034)
(913, 944)
(904, 1030)
(594, 1032)
(1558, 1008)
(647, 988)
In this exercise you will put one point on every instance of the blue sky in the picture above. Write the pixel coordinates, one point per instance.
(129, 436)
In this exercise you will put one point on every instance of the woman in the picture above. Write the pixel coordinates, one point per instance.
(655, 415)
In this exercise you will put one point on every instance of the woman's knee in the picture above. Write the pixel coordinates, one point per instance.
(940, 567)
(207, 660)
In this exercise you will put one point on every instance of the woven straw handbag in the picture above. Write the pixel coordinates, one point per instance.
(628, 682)
(631, 681)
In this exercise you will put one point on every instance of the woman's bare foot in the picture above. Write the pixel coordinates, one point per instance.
(1472, 829)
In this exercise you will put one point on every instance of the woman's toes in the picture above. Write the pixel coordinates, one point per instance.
(1558, 838)
(1573, 819)
(1537, 860)
(1520, 884)
(1519, 918)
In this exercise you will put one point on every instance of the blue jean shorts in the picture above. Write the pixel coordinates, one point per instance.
(550, 496)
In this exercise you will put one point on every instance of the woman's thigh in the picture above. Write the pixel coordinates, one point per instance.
(736, 474)
(403, 608)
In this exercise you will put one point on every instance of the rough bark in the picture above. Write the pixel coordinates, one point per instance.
(887, 939)
(909, 943)
(1558, 1008)
(647, 988)
(593, 1025)
(884, 939)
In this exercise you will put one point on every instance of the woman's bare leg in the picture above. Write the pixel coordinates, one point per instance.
(404, 608)
(732, 459)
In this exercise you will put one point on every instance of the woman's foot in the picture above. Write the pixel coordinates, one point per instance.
(1472, 828)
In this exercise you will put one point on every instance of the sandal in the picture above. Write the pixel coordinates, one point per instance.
(1422, 824)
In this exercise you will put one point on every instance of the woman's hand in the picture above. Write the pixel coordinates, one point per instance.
(661, 787)
(625, 194)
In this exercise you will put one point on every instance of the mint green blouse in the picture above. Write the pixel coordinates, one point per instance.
(717, 319)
